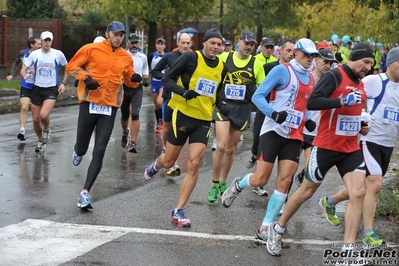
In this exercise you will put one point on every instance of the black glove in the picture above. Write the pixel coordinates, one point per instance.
(190, 94)
(279, 117)
(91, 84)
(364, 124)
(145, 82)
(136, 78)
(224, 109)
(310, 125)
(76, 83)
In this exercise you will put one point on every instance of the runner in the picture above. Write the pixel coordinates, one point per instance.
(47, 63)
(340, 95)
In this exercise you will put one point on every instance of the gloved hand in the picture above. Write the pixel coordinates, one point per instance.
(353, 98)
(136, 78)
(91, 84)
(190, 94)
(279, 117)
(145, 82)
(224, 109)
(310, 125)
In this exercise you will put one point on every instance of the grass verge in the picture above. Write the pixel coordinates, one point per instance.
(12, 84)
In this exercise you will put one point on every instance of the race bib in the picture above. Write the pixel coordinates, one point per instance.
(45, 72)
(235, 92)
(206, 87)
(294, 118)
(100, 110)
(390, 115)
(347, 125)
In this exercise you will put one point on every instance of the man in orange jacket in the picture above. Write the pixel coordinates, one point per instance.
(100, 69)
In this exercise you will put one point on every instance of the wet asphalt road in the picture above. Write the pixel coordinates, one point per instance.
(45, 187)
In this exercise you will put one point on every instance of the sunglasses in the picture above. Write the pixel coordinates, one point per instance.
(308, 55)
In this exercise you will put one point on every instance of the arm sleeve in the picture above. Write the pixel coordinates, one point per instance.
(146, 69)
(159, 67)
(372, 86)
(319, 100)
(180, 66)
(16, 63)
(277, 78)
(78, 61)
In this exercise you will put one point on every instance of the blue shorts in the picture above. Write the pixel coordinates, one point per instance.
(156, 85)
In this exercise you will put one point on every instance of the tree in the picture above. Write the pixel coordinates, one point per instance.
(35, 9)
(152, 14)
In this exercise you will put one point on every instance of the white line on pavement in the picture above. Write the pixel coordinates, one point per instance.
(38, 242)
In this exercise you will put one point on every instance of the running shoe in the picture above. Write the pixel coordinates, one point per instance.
(124, 139)
(180, 219)
(132, 147)
(213, 194)
(174, 171)
(260, 191)
(149, 172)
(274, 242)
(329, 211)
(261, 237)
(158, 128)
(76, 160)
(46, 136)
(282, 209)
(214, 145)
(372, 240)
(84, 200)
(231, 193)
(40, 146)
(21, 136)
(222, 189)
(251, 162)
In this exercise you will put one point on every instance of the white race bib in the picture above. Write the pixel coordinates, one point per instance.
(390, 115)
(294, 118)
(347, 125)
(206, 87)
(100, 110)
(235, 92)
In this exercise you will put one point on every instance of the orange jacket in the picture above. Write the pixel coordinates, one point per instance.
(109, 68)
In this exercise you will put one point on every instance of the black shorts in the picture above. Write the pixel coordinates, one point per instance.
(184, 127)
(307, 141)
(239, 114)
(39, 94)
(25, 93)
(322, 160)
(272, 145)
(376, 157)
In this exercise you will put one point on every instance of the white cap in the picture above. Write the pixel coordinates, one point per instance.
(306, 45)
(46, 35)
(99, 39)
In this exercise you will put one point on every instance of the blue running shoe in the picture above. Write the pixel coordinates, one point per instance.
(180, 219)
(150, 171)
(76, 160)
(84, 200)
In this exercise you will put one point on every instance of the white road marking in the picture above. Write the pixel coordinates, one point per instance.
(41, 242)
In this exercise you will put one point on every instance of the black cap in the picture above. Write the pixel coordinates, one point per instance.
(212, 33)
(267, 42)
(228, 42)
(360, 51)
(328, 55)
(162, 40)
(116, 26)
(248, 36)
(133, 38)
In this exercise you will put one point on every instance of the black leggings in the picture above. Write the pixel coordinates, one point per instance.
(132, 97)
(86, 124)
(259, 118)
